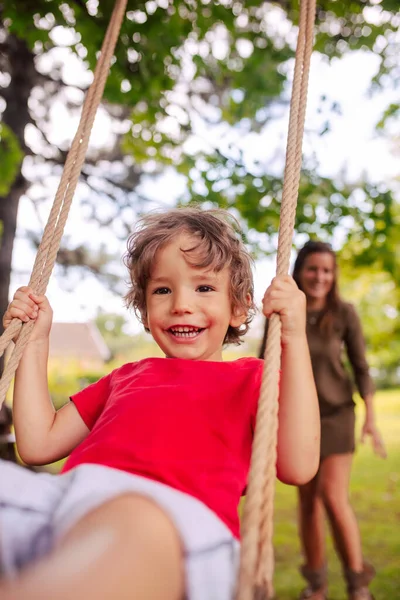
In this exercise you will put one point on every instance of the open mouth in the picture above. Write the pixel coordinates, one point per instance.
(185, 332)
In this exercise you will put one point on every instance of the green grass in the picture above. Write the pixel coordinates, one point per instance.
(375, 496)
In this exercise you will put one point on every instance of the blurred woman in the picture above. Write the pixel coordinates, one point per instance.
(332, 324)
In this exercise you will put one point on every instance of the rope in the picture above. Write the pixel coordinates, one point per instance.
(257, 558)
(47, 251)
(256, 568)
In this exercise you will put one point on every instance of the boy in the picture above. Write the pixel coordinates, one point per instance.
(146, 506)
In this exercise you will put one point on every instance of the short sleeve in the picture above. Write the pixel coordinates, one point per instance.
(91, 401)
(355, 346)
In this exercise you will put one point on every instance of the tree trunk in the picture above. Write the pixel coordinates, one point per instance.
(21, 67)
(8, 218)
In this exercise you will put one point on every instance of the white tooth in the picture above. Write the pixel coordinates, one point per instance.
(188, 334)
(185, 331)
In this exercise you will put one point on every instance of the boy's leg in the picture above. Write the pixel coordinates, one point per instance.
(126, 548)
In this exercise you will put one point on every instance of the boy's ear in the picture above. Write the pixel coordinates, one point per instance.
(237, 319)
(239, 315)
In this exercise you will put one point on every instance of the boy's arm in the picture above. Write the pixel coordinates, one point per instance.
(298, 448)
(43, 435)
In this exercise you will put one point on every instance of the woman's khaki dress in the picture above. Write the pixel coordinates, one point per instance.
(333, 381)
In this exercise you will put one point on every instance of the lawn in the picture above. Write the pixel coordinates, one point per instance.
(375, 495)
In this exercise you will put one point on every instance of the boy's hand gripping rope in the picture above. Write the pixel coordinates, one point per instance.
(257, 562)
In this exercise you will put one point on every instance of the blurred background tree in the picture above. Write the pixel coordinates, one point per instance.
(189, 80)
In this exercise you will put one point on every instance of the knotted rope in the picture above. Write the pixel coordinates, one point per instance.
(47, 251)
(257, 557)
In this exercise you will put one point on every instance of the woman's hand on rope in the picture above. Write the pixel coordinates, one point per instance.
(28, 306)
(284, 297)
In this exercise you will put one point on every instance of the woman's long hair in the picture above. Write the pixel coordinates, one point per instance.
(326, 320)
(333, 300)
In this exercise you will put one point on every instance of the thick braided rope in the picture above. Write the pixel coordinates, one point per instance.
(47, 252)
(307, 17)
(257, 559)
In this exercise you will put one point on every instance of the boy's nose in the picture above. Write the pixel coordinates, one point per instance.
(181, 304)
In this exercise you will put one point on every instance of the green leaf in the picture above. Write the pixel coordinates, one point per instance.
(11, 157)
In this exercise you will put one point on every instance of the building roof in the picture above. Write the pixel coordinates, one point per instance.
(80, 341)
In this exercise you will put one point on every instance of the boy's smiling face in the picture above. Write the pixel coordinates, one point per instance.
(189, 308)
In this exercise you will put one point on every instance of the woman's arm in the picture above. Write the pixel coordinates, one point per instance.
(356, 351)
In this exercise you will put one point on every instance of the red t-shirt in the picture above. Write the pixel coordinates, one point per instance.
(188, 424)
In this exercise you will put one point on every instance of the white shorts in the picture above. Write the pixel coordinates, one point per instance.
(37, 509)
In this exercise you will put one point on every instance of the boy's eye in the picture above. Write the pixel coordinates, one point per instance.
(162, 290)
(205, 288)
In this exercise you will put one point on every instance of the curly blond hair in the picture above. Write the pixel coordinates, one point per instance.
(219, 245)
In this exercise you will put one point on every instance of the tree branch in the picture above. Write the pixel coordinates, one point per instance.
(44, 78)
(79, 3)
